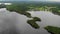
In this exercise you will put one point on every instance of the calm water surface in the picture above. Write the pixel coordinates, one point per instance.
(21, 21)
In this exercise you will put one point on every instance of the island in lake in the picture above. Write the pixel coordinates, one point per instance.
(23, 8)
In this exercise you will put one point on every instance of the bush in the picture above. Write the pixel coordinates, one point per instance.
(36, 19)
(53, 30)
(33, 24)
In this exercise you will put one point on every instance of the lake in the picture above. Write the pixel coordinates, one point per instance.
(47, 18)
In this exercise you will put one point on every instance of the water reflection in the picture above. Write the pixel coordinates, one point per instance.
(24, 28)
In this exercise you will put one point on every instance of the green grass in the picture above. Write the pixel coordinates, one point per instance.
(36, 19)
(33, 22)
(23, 10)
(19, 9)
(53, 30)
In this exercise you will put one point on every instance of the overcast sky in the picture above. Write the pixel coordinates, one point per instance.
(21, 0)
(32, 0)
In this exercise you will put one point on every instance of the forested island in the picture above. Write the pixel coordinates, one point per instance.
(22, 8)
